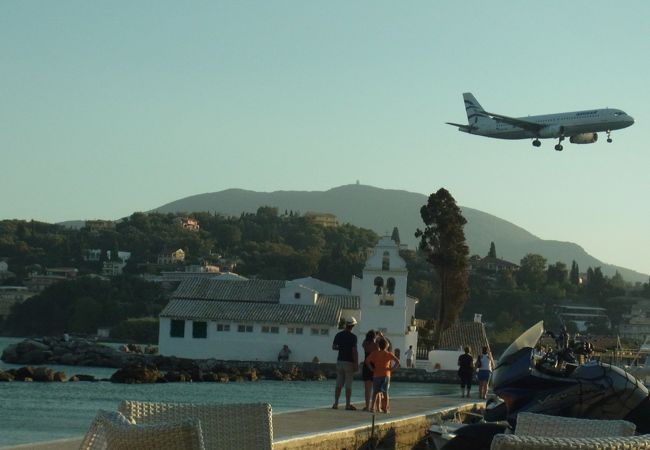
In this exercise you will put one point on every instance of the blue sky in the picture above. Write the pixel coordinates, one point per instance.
(107, 108)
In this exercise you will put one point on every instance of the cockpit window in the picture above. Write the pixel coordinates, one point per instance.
(619, 113)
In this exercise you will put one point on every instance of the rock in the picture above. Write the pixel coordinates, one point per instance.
(59, 377)
(174, 377)
(81, 377)
(6, 376)
(43, 374)
(136, 374)
(24, 372)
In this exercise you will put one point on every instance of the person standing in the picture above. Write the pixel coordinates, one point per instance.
(381, 362)
(347, 362)
(369, 345)
(465, 372)
(408, 354)
(485, 364)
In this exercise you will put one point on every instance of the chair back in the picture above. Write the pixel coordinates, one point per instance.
(234, 426)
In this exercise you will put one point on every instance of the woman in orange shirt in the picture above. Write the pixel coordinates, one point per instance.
(380, 361)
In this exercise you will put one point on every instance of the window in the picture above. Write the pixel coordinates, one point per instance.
(315, 331)
(296, 295)
(270, 329)
(390, 286)
(379, 284)
(294, 330)
(244, 328)
(324, 332)
(223, 327)
(199, 330)
(385, 261)
(177, 328)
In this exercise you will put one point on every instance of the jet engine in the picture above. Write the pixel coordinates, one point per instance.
(551, 131)
(584, 138)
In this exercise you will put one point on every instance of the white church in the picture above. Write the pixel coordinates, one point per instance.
(251, 320)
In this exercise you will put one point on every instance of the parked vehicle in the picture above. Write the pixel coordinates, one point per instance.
(554, 384)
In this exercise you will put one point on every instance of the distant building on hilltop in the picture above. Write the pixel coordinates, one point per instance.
(241, 319)
(490, 264)
(187, 223)
(323, 219)
(100, 225)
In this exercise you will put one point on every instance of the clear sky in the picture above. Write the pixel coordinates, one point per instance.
(107, 108)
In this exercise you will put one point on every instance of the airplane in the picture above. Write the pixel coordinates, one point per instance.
(580, 126)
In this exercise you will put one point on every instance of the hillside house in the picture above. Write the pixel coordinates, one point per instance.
(323, 219)
(187, 223)
(174, 257)
(241, 319)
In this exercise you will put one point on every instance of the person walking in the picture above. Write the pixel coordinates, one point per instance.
(408, 354)
(347, 362)
(465, 372)
(485, 364)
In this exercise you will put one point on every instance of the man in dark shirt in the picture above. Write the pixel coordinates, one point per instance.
(465, 371)
(347, 362)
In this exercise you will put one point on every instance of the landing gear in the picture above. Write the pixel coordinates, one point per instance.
(609, 139)
(536, 143)
(559, 147)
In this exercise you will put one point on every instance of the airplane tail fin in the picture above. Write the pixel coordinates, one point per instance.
(475, 112)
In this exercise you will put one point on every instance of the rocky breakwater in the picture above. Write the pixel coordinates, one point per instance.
(76, 352)
(183, 370)
(40, 374)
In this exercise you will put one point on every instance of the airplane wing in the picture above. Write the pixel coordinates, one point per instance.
(525, 124)
(465, 128)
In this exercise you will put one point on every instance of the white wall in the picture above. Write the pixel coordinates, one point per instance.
(447, 359)
(255, 346)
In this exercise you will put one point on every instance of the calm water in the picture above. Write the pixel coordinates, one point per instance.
(31, 412)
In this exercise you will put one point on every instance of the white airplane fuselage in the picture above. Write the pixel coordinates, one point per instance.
(567, 124)
(581, 127)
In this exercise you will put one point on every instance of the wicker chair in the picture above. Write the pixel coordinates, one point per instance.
(112, 431)
(237, 426)
(531, 424)
(516, 442)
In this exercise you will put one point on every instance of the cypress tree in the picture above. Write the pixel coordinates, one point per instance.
(443, 240)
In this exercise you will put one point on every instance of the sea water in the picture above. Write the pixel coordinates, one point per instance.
(33, 412)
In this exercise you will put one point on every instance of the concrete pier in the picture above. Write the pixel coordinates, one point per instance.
(334, 429)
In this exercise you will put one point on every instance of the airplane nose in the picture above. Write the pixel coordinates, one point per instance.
(630, 120)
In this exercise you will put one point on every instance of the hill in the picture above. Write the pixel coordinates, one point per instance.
(382, 209)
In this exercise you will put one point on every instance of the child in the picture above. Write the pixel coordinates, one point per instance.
(379, 362)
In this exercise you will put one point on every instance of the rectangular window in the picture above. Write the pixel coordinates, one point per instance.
(275, 330)
(265, 329)
(199, 330)
(294, 330)
(245, 328)
(324, 332)
(315, 331)
(177, 329)
(223, 327)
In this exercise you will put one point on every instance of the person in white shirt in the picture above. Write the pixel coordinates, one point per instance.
(485, 364)
(409, 357)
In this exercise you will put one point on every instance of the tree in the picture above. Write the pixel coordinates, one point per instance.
(493, 251)
(443, 240)
(557, 273)
(574, 276)
(532, 272)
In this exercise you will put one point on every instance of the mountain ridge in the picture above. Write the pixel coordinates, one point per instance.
(381, 209)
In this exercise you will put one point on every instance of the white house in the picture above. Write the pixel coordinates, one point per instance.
(241, 319)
